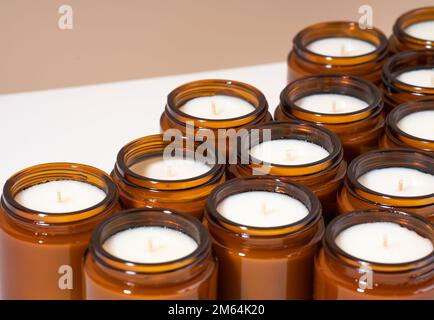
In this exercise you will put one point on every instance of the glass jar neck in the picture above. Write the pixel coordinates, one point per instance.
(395, 133)
(339, 29)
(179, 96)
(43, 173)
(386, 158)
(289, 130)
(155, 145)
(408, 19)
(404, 62)
(331, 84)
(151, 274)
(407, 270)
(289, 235)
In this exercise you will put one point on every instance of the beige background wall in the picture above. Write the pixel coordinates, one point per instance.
(116, 40)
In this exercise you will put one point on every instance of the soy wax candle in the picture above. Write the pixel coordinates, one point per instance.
(410, 125)
(301, 152)
(148, 179)
(338, 47)
(211, 105)
(265, 234)
(414, 30)
(376, 254)
(347, 105)
(47, 214)
(401, 179)
(408, 76)
(150, 254)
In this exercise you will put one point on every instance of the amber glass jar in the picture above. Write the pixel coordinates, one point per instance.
(265, 263)
(394, 137)
(339, 276)
(174, 118)
(358, 131)
(354, 196)
(40, 252)
(323, 177)
(192, 277)
(397, 92)
(303, 62)
(136, 191)
(402, 41)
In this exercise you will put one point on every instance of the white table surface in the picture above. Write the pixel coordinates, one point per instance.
(89, 124)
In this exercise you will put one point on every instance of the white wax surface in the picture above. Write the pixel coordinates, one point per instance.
(419, 124)
(331, 103)
(288, 152)
(383, 242)
(418, 78)
(150, 245)
(398, 181)
(170, 169)
(341, 47)
(422, 30)
(217, 107)
(262, 209)
(60, 196)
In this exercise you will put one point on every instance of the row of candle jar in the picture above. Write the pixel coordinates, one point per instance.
(347, 105)
(350, 48)
(48, 211)
(265, 235)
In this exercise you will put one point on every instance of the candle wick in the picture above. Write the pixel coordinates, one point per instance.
(385, 241)
(343, 50)
(265, 209)
(171, 172)
(151, 245)
(401, 185)
(59, 196)
(214, 108)
(334, 106)
(289, 154)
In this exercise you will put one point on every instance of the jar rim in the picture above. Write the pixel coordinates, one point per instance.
(389, 76)
(223, 84)
(355, 185)
(342, 222)
(337, 28)
(404, 110)
(216, 170)
(47, 172)
(406, 19)
(139, 217)
(376, 103)
(316, 166)
(268, 184)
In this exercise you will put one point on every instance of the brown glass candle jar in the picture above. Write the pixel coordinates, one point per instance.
(173, 118)
(354, 196)
(397, 92)
(323, 177)
(192, 277)
(340, 276)
(402, 41)
(358, 131)
(394, 137)
(41, 253)
(137, 191)
(303, 62)
(260, 262)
